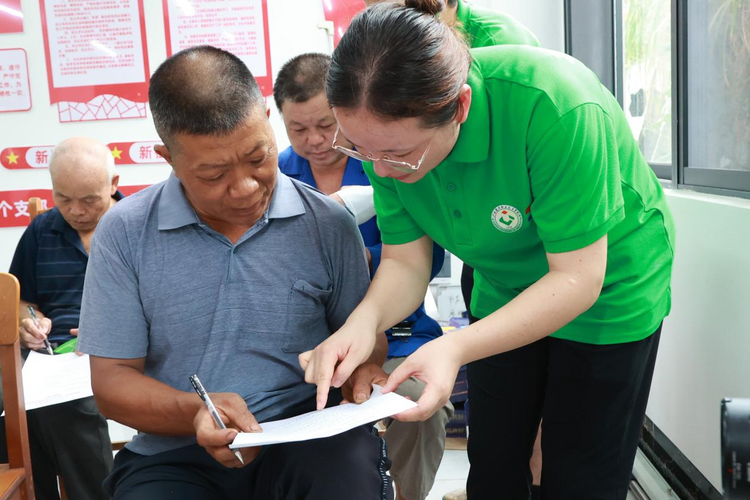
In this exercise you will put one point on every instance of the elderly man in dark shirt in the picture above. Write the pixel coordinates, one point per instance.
(70, 439)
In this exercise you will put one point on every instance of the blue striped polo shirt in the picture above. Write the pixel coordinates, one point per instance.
(50, 264)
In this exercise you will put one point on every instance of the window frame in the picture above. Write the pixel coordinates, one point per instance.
(603, 21)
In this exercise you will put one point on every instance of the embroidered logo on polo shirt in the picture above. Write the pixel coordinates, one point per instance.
(507, 219)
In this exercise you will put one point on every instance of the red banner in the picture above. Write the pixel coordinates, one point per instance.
(95, 49)
(11, 16)
(135, 153)
(341, 12)
(14, 205)
(26, 157)
(237, 26)
(124, 153)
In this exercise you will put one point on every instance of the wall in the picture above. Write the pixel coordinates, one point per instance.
(293, 30)
(703, 355)
(543, 17)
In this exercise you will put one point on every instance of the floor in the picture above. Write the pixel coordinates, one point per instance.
(451, 475)
(453, 472)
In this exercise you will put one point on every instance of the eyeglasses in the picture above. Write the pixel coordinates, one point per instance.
(401, 166)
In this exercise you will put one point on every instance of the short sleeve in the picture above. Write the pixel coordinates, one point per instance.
(23, 265)
(112, 323)
(396, 225)
(575, 179)
(349, 269)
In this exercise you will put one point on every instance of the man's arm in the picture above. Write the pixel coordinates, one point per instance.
(123, 393)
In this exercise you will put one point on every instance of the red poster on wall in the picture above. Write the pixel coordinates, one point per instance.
(15, 91)
(97, 62)
(341, 12)
(14, 205)
(238, 26)
(11, 16)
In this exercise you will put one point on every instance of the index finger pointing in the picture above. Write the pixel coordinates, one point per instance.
(323, 372)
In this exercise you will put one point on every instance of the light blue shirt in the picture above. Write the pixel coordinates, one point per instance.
(163, 285)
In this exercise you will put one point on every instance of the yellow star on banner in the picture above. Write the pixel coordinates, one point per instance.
(12, 158)
(116, 153)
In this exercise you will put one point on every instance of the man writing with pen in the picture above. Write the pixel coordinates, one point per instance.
(69, 439)
(228, 270)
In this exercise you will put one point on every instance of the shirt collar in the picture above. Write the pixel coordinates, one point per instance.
(60, 225)
(473, 144)
(175, 211)
(285, 201)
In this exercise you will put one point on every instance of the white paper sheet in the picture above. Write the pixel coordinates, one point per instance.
(50, 380)
(325, 423)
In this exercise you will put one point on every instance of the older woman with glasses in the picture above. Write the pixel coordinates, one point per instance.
(521, 163)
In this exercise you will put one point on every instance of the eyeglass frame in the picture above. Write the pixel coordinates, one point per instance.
(401, 166)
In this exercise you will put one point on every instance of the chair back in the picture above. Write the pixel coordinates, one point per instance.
(35, 207)
(15, 478)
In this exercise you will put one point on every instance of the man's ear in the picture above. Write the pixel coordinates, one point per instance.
(115, 183)
(162, 151)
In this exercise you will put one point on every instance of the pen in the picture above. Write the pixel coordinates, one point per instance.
(211, 408)
(36, 323)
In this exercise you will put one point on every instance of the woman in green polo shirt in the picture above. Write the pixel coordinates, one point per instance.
(519, 161)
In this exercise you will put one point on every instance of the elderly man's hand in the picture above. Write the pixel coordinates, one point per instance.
(235, 415)
(31, 336)
(358, 387)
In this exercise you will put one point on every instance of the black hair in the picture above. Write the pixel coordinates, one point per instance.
(400, 62)
(301, 78)
(202, 90)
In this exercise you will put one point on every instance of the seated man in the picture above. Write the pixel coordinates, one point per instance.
(416, 448)
(70, 439)
(228, 270)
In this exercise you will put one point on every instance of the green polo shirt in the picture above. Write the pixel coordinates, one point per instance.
(486, 28)
(546, 162)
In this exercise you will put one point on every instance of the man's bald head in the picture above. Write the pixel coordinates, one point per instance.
(83, 181)
(83, 157)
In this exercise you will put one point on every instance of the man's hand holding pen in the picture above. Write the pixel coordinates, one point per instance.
(33, 331)
(234, 413)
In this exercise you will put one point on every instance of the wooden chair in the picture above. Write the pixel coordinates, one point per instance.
(35, 208)
(16, 481)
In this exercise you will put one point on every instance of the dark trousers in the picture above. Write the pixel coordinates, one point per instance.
(467, 285)
(70, 439)
(591, 400)
(349, 465)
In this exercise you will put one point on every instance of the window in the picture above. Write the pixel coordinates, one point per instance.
(681, 70)
(647, 77)
(717, 101)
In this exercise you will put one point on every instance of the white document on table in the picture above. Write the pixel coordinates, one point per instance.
(50, 380)
(326, 423)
